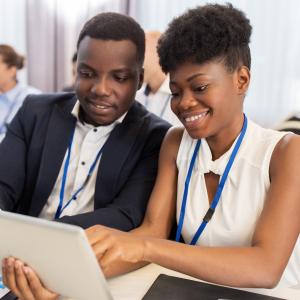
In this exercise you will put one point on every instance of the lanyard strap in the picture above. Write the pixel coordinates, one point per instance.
(60, 207)
(217, 196)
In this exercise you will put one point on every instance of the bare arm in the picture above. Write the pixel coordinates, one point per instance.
(158, 219)
(260, 265)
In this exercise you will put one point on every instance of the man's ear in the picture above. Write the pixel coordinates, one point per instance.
(141, 78)
(243, 79)
(12, 71)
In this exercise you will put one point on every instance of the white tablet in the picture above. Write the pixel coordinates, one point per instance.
(59, 253)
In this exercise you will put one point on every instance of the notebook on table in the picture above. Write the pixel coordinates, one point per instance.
(59, 253)
(169, 287)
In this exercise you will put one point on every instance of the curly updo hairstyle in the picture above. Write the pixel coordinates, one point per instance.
(206, 33)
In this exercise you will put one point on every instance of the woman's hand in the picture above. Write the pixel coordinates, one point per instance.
(23, 281)
(111, 245)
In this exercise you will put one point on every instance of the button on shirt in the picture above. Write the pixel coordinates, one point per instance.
(87, 142)
(10, 102)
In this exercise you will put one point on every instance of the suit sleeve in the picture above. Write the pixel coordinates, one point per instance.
(127, 209)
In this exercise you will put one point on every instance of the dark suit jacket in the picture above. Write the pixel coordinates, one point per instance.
(33, 150)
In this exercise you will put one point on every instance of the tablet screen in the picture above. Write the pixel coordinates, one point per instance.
(3, 289)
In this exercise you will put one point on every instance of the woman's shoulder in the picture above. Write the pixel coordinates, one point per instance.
(172, 140)
(260, 142)
(287, 150)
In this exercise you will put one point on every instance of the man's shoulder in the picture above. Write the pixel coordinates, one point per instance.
(44, 103)
(49, 98)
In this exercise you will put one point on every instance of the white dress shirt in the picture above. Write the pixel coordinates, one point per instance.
(159, 103)
(87, 142)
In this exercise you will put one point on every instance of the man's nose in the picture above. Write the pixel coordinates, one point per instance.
(101, 87)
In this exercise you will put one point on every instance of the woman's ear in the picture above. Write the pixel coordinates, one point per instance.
(243, 79)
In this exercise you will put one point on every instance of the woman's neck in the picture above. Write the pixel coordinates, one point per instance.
(221, 143)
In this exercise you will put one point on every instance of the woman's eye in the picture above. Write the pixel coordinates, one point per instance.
(121, 78)
(201, 88)
(174, 95)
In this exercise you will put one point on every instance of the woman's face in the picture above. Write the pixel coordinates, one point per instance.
(207, 98)
(7, 74)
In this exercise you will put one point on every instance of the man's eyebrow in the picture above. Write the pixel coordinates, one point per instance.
(125, 69)
(82, 64)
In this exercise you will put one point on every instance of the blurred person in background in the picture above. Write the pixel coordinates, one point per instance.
(12, 92)
(291, 123)
(155, 93)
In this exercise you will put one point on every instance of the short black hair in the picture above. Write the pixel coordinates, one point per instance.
(74, 57)
(117, 27)
(206, 33)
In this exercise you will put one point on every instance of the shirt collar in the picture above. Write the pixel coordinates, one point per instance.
(206, 164)
(76, 108)
(12, 94)
(165, 88)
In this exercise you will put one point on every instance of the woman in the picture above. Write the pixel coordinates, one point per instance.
(12, 93)
(240, 178)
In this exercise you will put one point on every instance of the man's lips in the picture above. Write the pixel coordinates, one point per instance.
(100, 106)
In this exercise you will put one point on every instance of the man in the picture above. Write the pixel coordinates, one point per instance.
(12, 91)
(155, 93)
(89, 158)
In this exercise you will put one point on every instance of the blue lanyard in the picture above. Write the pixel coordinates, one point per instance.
(217, 196)
(60, 207)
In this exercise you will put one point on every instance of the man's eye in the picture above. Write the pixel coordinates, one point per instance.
(121, 78)
(85, 74)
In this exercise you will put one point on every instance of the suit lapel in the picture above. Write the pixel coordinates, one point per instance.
(58, 135)
(115, 153)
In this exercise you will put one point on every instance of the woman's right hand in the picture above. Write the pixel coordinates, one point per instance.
(23, 281)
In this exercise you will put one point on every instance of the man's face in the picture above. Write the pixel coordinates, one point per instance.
(7, 74)
(108, 76)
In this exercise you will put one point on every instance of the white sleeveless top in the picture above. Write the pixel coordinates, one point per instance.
(243, 196)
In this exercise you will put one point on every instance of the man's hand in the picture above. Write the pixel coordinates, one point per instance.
(23, 281)
(111, 245)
